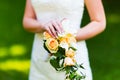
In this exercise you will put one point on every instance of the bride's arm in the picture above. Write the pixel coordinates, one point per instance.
(98, 21)
(29, 20)
(31, 24)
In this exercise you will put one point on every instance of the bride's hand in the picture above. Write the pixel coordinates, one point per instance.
(53, 27)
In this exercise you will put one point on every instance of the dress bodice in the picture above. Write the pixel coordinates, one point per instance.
(47, 10)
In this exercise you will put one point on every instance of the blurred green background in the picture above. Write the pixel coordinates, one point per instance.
(16, 43)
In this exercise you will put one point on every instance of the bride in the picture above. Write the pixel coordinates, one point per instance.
(48, 15)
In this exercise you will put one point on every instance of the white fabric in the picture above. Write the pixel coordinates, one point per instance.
(47, 10)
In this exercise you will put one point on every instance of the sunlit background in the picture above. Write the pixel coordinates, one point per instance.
(16, 43)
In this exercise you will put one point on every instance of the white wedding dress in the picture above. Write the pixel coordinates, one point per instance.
(47, 10)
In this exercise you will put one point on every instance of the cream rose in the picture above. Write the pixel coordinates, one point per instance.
(64, 45)
(68, 62)
(52, 45)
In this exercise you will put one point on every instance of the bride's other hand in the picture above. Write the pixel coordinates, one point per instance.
(53, 27)
(98, 20)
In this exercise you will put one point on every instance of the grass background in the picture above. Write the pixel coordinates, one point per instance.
(16, 43)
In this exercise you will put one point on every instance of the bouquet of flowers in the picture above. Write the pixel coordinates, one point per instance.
(63, 50)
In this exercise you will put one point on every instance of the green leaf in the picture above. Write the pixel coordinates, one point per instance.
(55, 63)
(81, 66)
(72, 75)
(67, 69)
(74, 68)
(60, 53)
(45, 47)
(73, 48)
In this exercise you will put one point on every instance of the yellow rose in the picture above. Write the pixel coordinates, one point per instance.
(70, 53)
(46, 35)
(71, 39)
(69, 35)
(52, 45)
(68, 62)
(63, 40)
(68, 38)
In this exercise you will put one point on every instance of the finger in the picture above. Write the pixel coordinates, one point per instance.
(56, 26)
(52, 30)
(49, 31)
(63, 19)
(60, 26)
